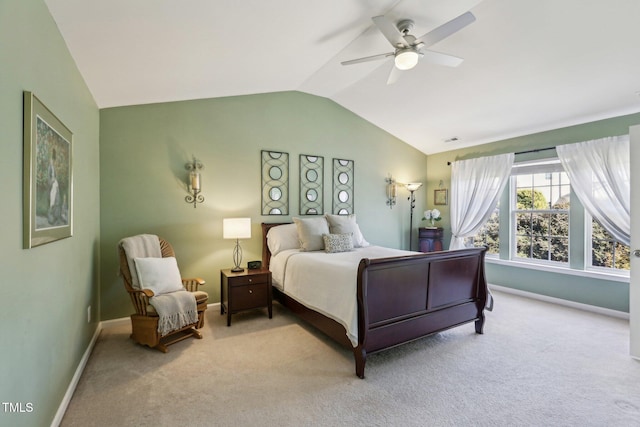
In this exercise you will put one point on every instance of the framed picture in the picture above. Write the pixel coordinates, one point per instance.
(47, 181)
(440, 197)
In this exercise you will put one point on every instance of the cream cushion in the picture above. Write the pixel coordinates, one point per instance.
(341, 224)
(310, 232)
(160, 275)
(282, 237)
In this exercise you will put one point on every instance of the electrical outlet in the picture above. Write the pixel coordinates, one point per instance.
(88, 314)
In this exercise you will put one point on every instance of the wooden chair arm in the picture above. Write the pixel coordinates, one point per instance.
(192, 284)
(140, 299)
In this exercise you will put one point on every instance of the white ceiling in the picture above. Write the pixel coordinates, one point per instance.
(530, 65)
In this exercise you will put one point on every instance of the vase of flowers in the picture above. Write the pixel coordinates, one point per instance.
(432, 216)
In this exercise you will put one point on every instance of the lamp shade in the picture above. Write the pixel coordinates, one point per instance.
(236, 228)
(413, 186)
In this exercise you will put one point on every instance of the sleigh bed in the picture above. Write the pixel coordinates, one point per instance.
(395, 299)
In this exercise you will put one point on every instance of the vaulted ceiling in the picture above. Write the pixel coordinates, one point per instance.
(529, 65)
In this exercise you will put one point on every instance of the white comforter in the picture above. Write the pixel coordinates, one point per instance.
(326, 282)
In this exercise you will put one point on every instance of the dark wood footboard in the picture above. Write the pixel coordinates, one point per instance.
(401, 299)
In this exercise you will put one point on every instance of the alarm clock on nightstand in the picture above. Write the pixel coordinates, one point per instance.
(254, 265)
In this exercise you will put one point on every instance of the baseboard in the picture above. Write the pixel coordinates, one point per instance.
(76, 377)
(106, 324)
(560, 301)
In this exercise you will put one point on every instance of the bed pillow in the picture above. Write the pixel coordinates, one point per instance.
(334, 243)
(340, 224)
(282, 237)
(310, 232)
(160, 275)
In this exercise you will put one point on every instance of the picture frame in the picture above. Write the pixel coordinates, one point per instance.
(47, 175)
(440, 197)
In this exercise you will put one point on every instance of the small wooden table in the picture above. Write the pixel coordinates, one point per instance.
(245, 290)
(430, 239)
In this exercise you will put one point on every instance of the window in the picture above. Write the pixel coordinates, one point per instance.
(488, 235)
(606, 252)
(538, 229)
(540, 202)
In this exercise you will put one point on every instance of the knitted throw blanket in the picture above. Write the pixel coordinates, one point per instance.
(142, 245)
(175, 310)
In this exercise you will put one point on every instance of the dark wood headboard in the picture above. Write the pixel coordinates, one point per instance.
(266, 254)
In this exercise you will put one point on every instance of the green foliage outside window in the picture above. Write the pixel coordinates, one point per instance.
(606, 251)
(542, 231)
(527, 201)
(489, 234)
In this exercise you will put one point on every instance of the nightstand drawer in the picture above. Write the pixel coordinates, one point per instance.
(249, 296)
(249, 280)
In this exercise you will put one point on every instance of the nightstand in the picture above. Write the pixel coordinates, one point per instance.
(245, 290)
(430, 239)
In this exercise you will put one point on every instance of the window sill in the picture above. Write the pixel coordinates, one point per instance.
(560, 270)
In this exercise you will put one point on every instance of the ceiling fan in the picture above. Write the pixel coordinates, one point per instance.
(409, 49)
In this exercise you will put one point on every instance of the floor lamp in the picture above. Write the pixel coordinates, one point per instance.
(412, 187)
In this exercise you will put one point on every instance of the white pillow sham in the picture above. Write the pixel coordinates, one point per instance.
(341, 224)
(160, 275)
(282, 237)
(310, 232)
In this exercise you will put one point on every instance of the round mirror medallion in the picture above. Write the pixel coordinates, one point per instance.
(275, 172)
(275, 193)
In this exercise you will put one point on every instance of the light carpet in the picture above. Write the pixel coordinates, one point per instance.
(537, 364)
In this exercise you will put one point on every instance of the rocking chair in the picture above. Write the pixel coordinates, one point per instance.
(144, 323)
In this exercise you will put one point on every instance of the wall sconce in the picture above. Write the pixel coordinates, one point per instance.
(391, 191)
(236, 228)
(194, 183)
(412, 187)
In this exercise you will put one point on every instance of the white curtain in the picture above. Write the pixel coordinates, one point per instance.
(599, 173)
(476, 186)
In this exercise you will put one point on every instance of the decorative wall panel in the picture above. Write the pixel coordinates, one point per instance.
(343, 184)
(311, 185)
(275, 183)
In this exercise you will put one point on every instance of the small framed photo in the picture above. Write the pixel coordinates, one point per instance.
(440, 197)
(48, 186)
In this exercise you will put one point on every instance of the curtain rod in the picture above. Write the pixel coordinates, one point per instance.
(526, 152)
(536, 150)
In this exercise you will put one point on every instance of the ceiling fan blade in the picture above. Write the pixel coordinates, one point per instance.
(440, 58)
(390, 31)
(368, 58)
(394, 75)
(446, 29)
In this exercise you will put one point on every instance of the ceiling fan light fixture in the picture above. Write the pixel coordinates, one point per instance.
(406, 59)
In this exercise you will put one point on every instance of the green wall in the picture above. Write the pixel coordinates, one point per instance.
(44, 291)
(143, 150)
(599, 292)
